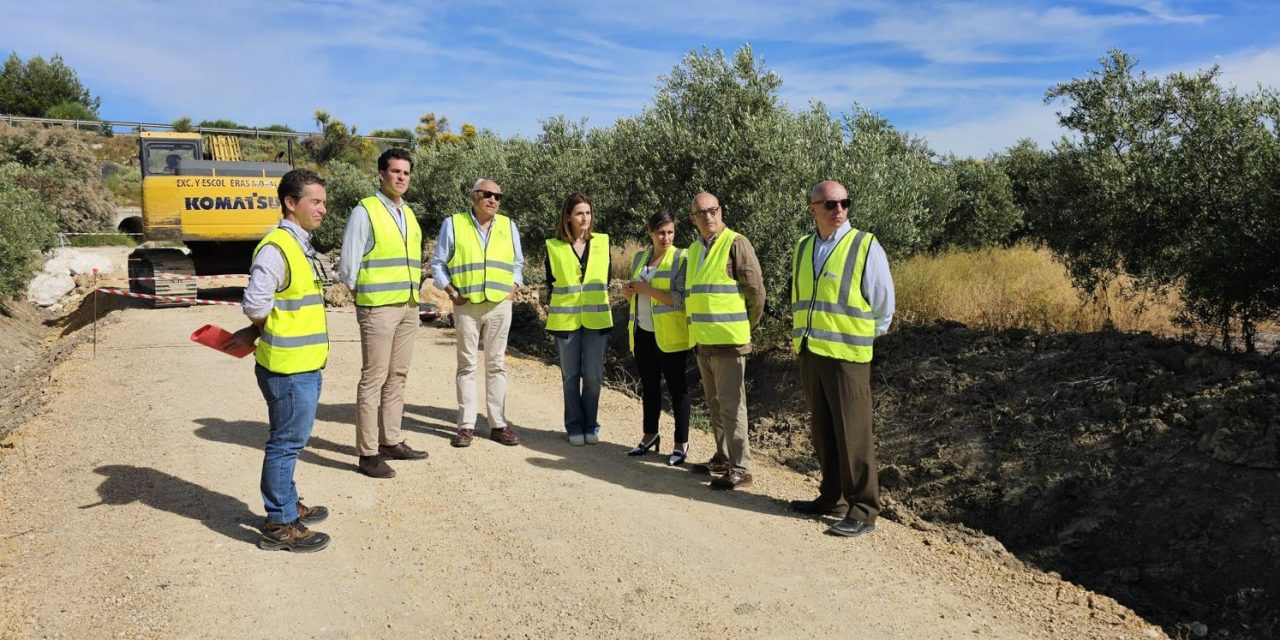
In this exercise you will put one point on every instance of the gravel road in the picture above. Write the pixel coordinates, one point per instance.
(129, 507)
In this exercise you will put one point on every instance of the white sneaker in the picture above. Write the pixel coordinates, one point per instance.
(592, 438)
(577, 440)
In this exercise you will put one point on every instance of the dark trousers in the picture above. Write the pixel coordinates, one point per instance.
(654, 365)
(839, 396)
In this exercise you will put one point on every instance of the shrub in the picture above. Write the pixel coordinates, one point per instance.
(984, 214)
(345, 185)
(59, 164)
(26, 229)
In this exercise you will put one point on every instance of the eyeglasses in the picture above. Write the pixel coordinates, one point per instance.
(830, 205)
(489, 194)
(708, 212)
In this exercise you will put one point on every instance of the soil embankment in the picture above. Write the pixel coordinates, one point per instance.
(1146, 469)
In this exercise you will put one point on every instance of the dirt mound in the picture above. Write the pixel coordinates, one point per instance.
(1142, 468)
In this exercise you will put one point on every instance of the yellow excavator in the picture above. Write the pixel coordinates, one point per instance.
(198, 192)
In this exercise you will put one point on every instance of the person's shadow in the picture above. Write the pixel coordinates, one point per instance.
(418, 418)
(252, 434)
(219, 512)
(610, 463)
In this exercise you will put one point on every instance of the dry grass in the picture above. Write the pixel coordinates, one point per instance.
(1019, 287)
(620, 258)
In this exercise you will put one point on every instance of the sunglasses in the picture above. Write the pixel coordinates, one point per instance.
(489, 194)
(830, 205)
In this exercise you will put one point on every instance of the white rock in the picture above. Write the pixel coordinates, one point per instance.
(74, 262)
(47, 289)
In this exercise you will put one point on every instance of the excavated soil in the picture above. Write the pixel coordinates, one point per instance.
(1144, 468)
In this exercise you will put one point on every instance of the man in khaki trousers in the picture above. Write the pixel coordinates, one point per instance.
(478, 262)
(382, 265)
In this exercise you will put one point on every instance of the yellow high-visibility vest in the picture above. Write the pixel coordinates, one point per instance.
(716, 306)
(295, 337)
(670, 326)
(478, 271)
(579, 299)
(832, 319)
(391, 273)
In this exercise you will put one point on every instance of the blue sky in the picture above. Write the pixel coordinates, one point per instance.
(970, 77)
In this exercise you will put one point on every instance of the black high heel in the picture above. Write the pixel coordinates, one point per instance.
(678, 455)
(644, 447)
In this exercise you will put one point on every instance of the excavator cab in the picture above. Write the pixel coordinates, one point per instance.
(161, 157)
(206, 214)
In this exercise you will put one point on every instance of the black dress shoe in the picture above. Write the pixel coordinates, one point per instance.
(850, 528)
(812, 507)
(401, 451)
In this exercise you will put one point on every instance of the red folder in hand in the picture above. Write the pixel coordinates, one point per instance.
(216, 337)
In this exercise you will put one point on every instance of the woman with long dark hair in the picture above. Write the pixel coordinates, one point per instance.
(578, 314)
(659, 334)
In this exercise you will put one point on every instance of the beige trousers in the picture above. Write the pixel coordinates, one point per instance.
(724, 386)
(490, 321)
(386, 349)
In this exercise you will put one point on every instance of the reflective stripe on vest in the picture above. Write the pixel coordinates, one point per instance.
(481, 271)
(294, 338)
(391, 273)
(832, 319)
(670, 326)
(579, 300)
(716, 307)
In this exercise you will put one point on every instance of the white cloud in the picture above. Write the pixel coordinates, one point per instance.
(998, 130)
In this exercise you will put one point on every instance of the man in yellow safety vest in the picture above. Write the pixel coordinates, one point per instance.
(284, 301)
(478, 262)
(724, 298)
(382, 265)
(841, 298)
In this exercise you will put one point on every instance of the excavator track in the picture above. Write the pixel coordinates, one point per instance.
(147, 271)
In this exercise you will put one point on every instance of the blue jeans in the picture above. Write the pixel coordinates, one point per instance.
(291, 408)
(581, 372)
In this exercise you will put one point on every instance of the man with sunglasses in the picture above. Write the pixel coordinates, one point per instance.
(724, 299)
(478, 262)
(841, 298)
(382, 265)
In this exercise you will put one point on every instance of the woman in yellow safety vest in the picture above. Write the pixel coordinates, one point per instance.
(659, 334)
(578, 314)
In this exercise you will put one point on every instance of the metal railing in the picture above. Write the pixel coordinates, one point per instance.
(152, 126)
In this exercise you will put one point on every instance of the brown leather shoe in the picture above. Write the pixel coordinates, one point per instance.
(376, 467)
(712, 467)
(401, 451)
(462, 438)
(505, 435)
(732, 479)
(311, 515)
(293, 536)
(815, 507)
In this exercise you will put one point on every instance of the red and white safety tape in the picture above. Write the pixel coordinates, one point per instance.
(148, 296)
(175, 276)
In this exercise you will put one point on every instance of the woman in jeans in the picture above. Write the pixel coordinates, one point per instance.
(659, 334)
(578, 314)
